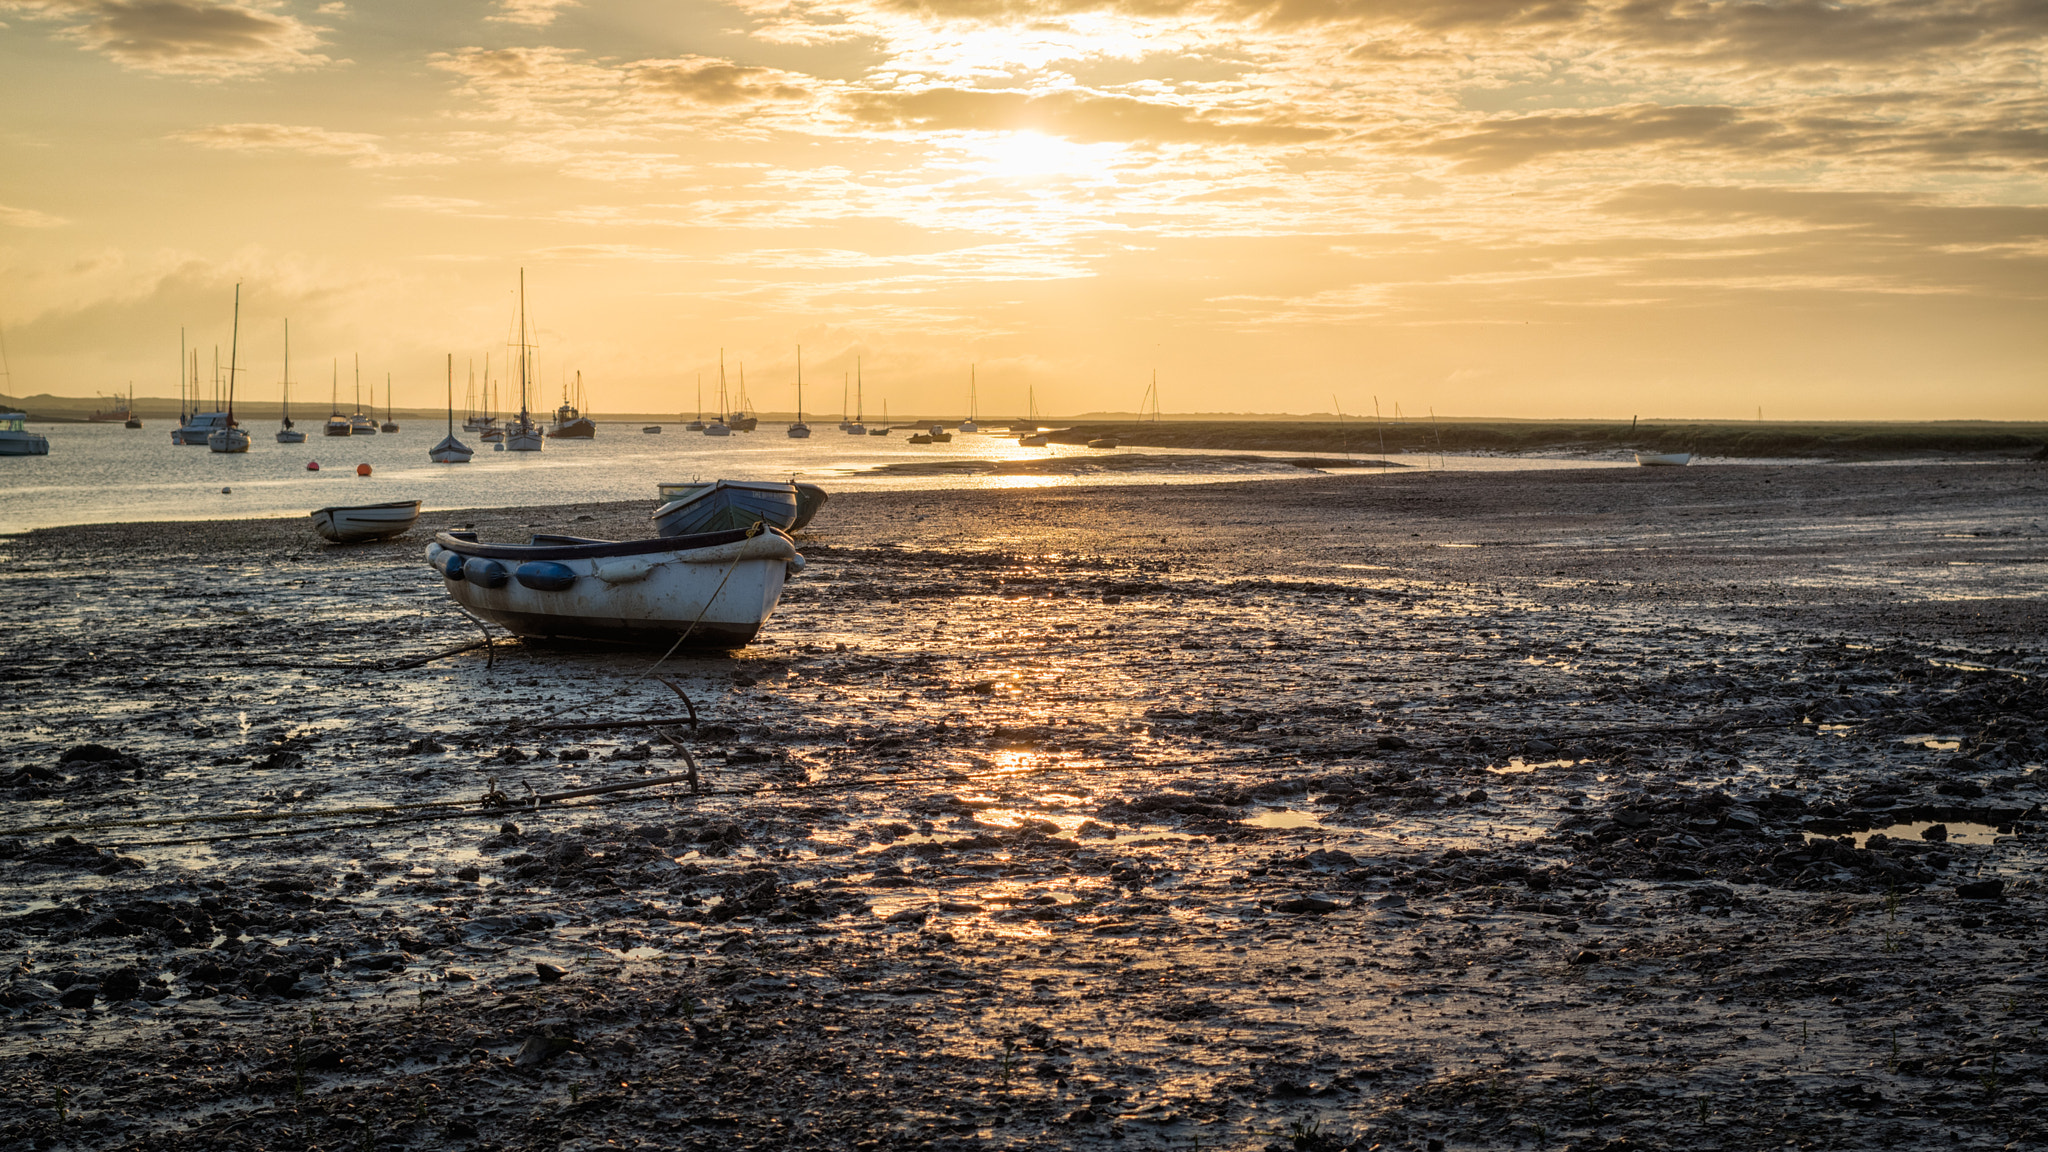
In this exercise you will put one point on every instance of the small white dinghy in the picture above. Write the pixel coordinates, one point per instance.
(713, 591)
(366, 521)
(1663, 459)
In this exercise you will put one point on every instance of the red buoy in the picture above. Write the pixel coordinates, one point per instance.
(312, 465)
(362, 469)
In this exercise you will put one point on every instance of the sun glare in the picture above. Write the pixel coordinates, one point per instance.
(1032, 155)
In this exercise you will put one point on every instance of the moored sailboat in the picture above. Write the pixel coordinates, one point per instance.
(286, 434)
(228, 437)
(450, 450)
(337, 424)
(799, 430)
(523, 435)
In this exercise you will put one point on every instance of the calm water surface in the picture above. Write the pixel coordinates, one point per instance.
(104, 473)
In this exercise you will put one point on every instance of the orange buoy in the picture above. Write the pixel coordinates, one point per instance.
(312, 465)
(362, 469)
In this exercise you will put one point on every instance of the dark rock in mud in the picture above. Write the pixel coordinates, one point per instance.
(1981, 890)
(70, 852)
(1312, 905)
(548, 973)
(97, 755)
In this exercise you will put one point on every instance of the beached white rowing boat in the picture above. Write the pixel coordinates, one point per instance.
(710, 591)
(364, 522)
(1663, 459)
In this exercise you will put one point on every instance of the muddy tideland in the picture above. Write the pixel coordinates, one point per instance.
(1688, 808)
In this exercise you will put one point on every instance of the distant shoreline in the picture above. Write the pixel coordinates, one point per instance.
(1290, 438)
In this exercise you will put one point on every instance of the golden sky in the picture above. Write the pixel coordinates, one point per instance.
(1484, 207)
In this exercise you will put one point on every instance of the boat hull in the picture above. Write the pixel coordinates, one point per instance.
(711, 591)
(809, 498)
(366, 522)
(578, 429)
(727, 505)
(29, 445)
(523, 440)
(1663, 459)
(289, 436)
(450, 451)
(228, 440)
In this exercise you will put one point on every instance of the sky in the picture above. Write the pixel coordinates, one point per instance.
(1553, 208)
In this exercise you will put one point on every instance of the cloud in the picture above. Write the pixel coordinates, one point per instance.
(701, 80)
(531, 13)
(362, 149)
(184, 37)
(1510, 141)
(29, 218)
(1074, 114)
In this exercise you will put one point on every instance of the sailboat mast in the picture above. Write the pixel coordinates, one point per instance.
(183, 416)
(522, 347)
(234, 345)
(799, 383)
(287, 373)
(451, 393)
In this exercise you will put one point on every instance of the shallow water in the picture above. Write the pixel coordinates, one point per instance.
(104, 473)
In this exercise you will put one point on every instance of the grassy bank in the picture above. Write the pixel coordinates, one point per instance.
(1818, 440)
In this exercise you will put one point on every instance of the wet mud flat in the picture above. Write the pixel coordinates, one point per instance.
(1611, 809)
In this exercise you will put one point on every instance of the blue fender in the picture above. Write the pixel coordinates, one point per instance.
(546, 575)
(485, 573)
(451, 565)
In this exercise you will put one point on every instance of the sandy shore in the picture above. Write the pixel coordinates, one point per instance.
(1426, 810)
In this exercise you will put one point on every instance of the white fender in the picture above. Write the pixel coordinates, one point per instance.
(624, 569)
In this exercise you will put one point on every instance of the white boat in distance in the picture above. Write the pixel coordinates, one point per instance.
(712, 591)
(1663, 459)
(17, 440)
(364, 522)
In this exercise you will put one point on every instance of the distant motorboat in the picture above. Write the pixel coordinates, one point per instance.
(1105, 442)
(920, 438)
(719, 505)
(117, 414)
(651, 430)
(939, 435)
(711, 591)
(198, 427)
(570, 422)
(17, 440)
(1663, 459)
(717, 428)
(364, 522)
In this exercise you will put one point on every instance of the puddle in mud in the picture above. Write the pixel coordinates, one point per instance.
(1282, 818)
(1958, 833)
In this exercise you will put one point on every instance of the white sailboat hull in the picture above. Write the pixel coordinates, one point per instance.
(228, 440)
(523, 440)
(1663, 459)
